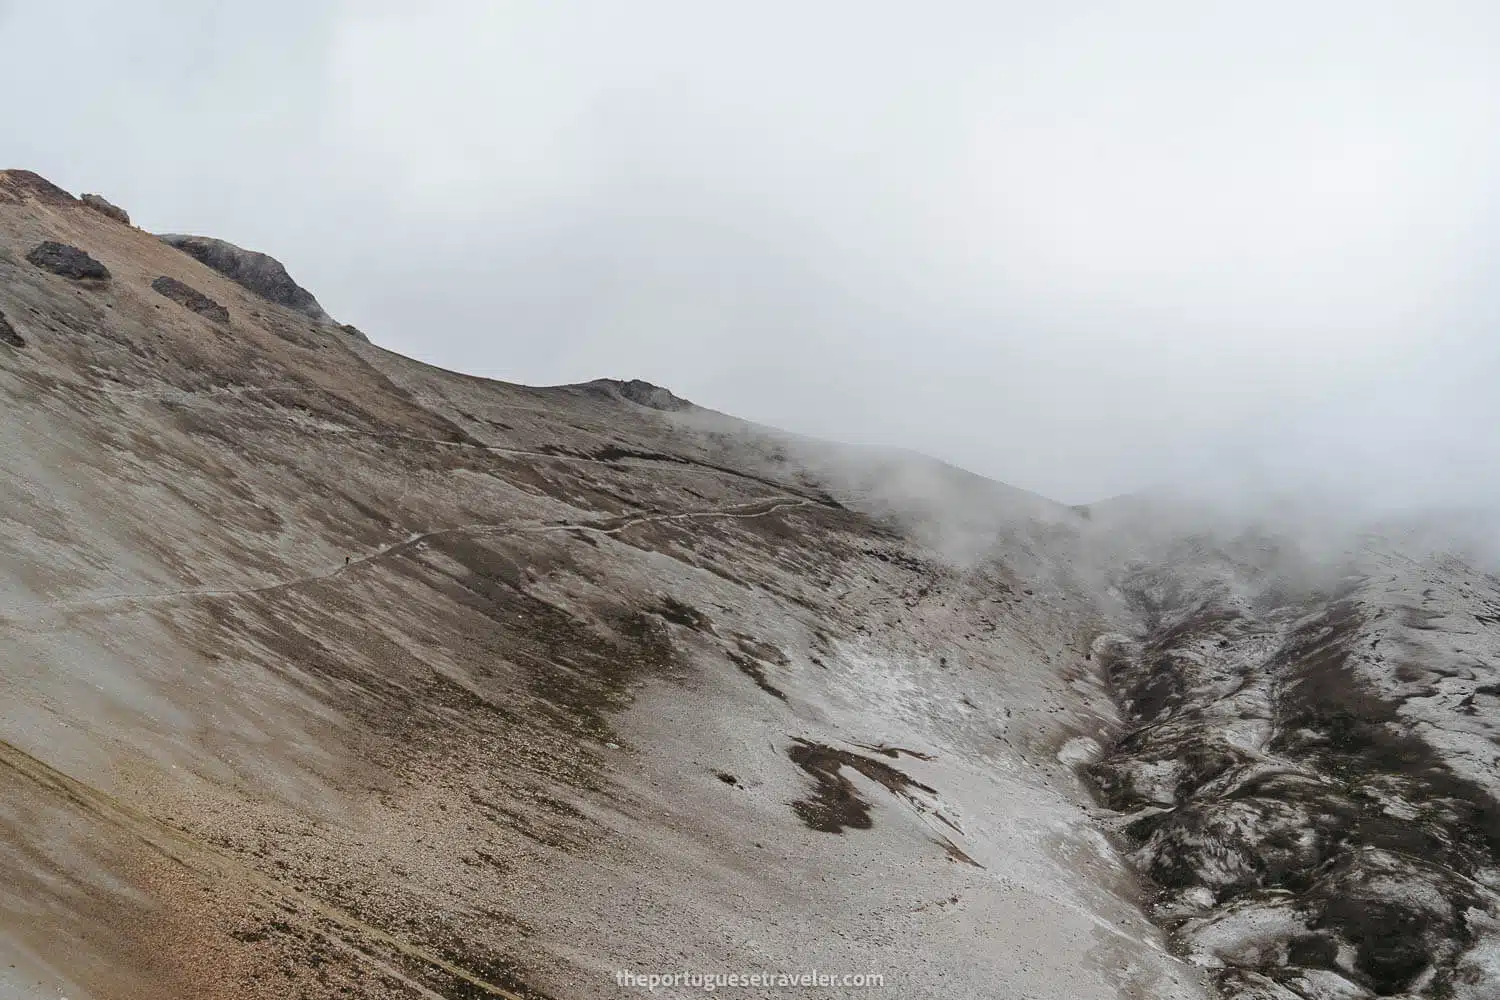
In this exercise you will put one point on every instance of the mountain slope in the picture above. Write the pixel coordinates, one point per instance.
(327, 673)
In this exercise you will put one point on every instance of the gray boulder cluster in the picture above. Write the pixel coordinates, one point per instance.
(258, 273)
(71, 262)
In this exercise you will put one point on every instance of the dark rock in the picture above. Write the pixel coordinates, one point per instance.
(190, 298)
(256, 272)
(8, 334)
(103, 206)
(354, 332)
(70, 262)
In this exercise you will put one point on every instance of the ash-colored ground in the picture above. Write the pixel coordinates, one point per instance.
(325, 673)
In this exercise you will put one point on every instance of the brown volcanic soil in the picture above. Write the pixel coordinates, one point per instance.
(330, 674)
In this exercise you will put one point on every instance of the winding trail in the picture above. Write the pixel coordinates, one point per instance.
(336, 927)
(18, 614)
(390, 955)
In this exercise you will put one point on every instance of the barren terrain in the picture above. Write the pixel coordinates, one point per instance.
(326, 673)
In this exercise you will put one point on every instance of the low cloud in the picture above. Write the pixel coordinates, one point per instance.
(1077, 250)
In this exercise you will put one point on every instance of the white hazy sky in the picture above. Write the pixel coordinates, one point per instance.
(1079, 247)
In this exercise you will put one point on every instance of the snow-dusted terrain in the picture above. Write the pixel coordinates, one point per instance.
(1310, 777)
(326, 673)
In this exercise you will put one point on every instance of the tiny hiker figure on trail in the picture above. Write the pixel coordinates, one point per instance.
(346, 560)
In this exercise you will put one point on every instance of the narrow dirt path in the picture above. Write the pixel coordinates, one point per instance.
(751, 509)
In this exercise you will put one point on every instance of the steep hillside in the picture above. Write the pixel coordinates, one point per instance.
(327, 673)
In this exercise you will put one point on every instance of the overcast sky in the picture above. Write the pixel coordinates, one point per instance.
(1077, 247)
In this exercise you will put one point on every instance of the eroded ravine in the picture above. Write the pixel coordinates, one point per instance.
(1305, 835)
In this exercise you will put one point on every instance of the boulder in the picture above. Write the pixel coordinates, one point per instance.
(68, 261)
(253, 271)
(102, 205)
(190, 298)
(354, 332)
(8, 334)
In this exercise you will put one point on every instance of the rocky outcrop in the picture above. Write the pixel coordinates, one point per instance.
(8, 334)
(354, 332)
(256, 272)
(67, 261)
(103, 206)
(641, 393)
(190, 298)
